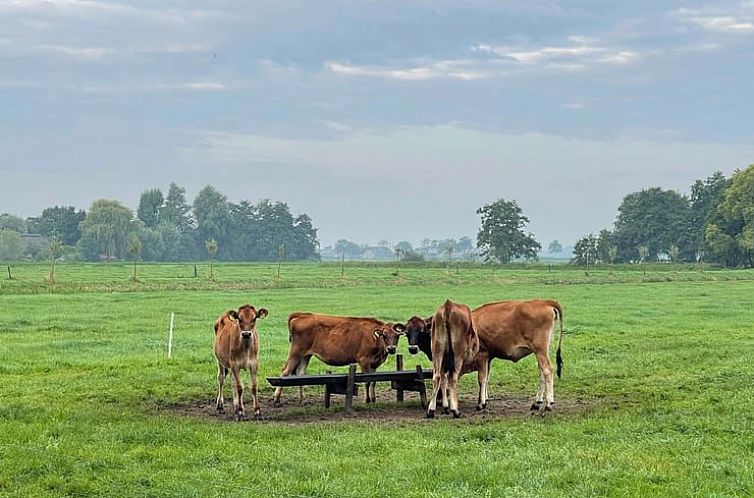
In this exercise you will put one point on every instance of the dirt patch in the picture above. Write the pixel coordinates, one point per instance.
(387, 409)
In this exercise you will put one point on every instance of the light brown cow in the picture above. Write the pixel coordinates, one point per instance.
(236, 348)
(509, 330)
(454, 342)
(338, 341)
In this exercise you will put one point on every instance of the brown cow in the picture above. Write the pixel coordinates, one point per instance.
(236, 348)
(509, 330)
(338, 341)
(454, 342)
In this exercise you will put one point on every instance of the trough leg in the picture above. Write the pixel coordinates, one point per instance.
(349, 388)
(399, 367)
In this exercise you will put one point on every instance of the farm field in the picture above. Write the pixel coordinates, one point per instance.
(655, 398)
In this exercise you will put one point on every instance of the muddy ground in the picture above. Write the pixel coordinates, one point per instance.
(387, 409)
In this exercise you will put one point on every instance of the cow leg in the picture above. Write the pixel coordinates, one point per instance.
(483, 376)
(541, 392)
(545, 367)
(290, 365)
(253, 369)
(221, 373)
(453, 387)
(444, 391)
(238, 394)
(437, 384)
(301, 370)
(369, 395)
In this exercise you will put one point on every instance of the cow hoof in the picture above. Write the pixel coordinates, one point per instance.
(481, 407)
(277, 403)
(457, 414)
(220, 409)
(548, 408)
(430, 414)
(258, 416)
(535, 406)
(445, 410)
(240, 417)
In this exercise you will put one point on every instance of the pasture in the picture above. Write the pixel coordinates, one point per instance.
(655, 398)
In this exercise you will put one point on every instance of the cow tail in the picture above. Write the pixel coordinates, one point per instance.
(558, 356)
(448, 360)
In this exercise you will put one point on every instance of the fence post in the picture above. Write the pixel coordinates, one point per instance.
(10, 277)
(170, 336)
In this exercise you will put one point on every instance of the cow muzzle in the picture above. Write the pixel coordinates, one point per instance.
(413, 349)
(391, 349)
(246, 335)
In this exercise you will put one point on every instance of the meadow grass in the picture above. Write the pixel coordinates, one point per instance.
(656, 376)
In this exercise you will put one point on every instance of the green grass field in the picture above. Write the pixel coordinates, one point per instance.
(655, 397)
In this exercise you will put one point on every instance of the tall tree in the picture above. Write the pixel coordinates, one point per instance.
(55, 249)
(605, 246)
(213, 218)
(134, 250)
(62, 221)
(654, 217)
(105, 230)
(150, 205)
(737, 210)
(502, 237)
(706, 196)
(175, 211)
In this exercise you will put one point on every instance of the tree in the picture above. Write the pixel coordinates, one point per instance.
(12, 222)
(11, 245)
(643, 255)
(604, 246)
(585, 251)
(106, 229)
(175, 211)
(134, 249)
(213, 219)
(211, 245)
(555, 247)
(150, 205)
(732, 238)
(502, 237)
(674, 253)
(55, 250)
(61, 221)
(706, 196)
(654, 217)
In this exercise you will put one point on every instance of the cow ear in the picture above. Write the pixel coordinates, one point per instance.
(428, 324)
(233, 314)
(262, 312)
(377, 333)
(399, 328)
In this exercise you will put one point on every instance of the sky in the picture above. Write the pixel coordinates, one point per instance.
(392, 120)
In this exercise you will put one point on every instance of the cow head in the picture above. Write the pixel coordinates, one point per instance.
(418, 332)
(390, 333)
(247, 319)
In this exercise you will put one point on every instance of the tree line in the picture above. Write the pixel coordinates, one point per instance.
(715, 223)
(165, 228)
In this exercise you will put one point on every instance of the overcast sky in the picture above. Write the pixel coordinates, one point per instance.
(388, 120)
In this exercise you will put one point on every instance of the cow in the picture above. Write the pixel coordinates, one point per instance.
(338, 341)
(454, 341)
(509, 330)
(236, 348)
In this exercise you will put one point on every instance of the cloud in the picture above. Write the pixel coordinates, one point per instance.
(445, 69)
(733, 21)
(582, 52)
